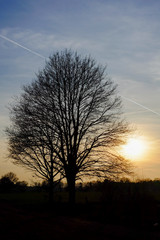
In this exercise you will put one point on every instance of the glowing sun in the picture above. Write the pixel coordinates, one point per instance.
(134, 148)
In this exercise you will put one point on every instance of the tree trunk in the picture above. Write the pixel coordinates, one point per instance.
(72, 190)
(51, 182)
(51, 191)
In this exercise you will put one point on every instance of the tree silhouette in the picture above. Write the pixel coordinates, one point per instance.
(67, 122)
(8, 181)
(12, 177)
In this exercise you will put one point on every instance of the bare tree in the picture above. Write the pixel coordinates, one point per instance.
(67, 122)
(31, 139)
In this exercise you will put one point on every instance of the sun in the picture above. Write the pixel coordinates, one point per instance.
(135, 148)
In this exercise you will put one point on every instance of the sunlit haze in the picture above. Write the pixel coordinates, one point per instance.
(135, 149)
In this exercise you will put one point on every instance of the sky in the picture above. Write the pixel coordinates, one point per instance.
(122, 34)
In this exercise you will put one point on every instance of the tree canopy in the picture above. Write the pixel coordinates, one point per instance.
(67, 122)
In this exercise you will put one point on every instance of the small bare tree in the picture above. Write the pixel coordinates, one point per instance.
(31, 140)
(67, 122)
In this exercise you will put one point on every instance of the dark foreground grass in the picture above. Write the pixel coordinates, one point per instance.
(23, 223)
(31, 197)
(28, 215)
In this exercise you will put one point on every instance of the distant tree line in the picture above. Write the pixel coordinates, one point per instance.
(110, 189)
(9, 182)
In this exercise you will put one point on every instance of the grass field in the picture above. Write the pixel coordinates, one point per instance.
(42, 197)
(28, 215)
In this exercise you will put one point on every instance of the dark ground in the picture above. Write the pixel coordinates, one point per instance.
(30, 222)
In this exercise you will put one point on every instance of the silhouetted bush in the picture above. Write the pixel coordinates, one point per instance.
(6, 185)
(9, 183)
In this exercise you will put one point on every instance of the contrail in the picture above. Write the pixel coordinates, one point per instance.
(19, 45)
(130, 100)
(136, 112)
(41, 56)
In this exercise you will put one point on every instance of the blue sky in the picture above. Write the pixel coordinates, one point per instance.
(123, 34)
